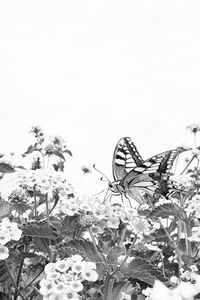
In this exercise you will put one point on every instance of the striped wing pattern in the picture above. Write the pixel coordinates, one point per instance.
(125, 158)
(151, 177)
(131, 173)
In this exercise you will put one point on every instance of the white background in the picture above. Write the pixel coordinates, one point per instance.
(94, 71)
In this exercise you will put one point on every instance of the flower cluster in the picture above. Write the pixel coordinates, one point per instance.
(40, 180)
(182, 181)
(55, 144)
(193, 128)
(65, 278)
(8, 231)
(184, 291)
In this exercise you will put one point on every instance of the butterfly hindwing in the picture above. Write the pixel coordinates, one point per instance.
(152, 176)
(125, 158)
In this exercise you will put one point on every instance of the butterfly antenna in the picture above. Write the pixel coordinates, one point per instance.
(101, 173)
(100, 192)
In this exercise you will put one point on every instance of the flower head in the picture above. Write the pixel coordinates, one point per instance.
(4, 253)
(194, 128)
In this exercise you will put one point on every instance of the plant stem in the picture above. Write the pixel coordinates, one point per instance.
(93, 241)
(108, 286)
(49, 223)
(35, 202)
(127, 255)
(123, 234)
(18, 278)
(30, 283)
(16, 288)
(173, 243)
(188, 233)
(187, 165)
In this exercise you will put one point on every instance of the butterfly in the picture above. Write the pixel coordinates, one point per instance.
(132, 174)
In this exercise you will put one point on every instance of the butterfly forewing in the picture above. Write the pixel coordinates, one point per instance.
(125, 158)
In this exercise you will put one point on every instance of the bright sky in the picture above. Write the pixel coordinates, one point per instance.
(95, 71)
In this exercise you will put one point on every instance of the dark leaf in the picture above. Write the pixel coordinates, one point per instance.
(114, 253)
(29, 150)
(5, 208)
(38, 229)
(20, 207)
(59, 154)
(67, 151)
(167, 209)
(20, 167)
(71, 226)
(142, 270)
(6, 168)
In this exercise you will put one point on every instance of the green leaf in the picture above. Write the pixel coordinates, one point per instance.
(3, 273)
(142, 270)
(167, 209)
(20, 207)
(83, 247)
(67, 151)
(114, 253)
(38, 229)
(29, 150)
(6, 168)
(122, 287)
(71, 226)
(5, 208)
(59, 154)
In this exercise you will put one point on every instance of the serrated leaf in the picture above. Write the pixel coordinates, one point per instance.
(83, 247)
(71, 226)
(6, 168)
(114, 253)
(20, 207)
(167, 209)
(142, 270)
(122, 287)
(38, 229)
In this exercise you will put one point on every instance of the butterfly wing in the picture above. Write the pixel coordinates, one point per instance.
(152, 176)
(125, 158)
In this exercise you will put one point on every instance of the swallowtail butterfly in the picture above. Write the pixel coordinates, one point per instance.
(131, 173)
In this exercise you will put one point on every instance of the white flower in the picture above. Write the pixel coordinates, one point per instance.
(113, 222)
(91, 265)
(53, 275)
(4, 253)
(76, 258)
(76, 285)
(78, 267)
(89, 274)
(16, 234)
(193, 128)
(47, 287)
(50, 267)
(62, 265)
(4, 236)
(125, 296)
(70, 294)
(186, 290)
(59, 288)
(174, 279)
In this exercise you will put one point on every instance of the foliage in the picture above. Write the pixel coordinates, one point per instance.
(57, 244)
